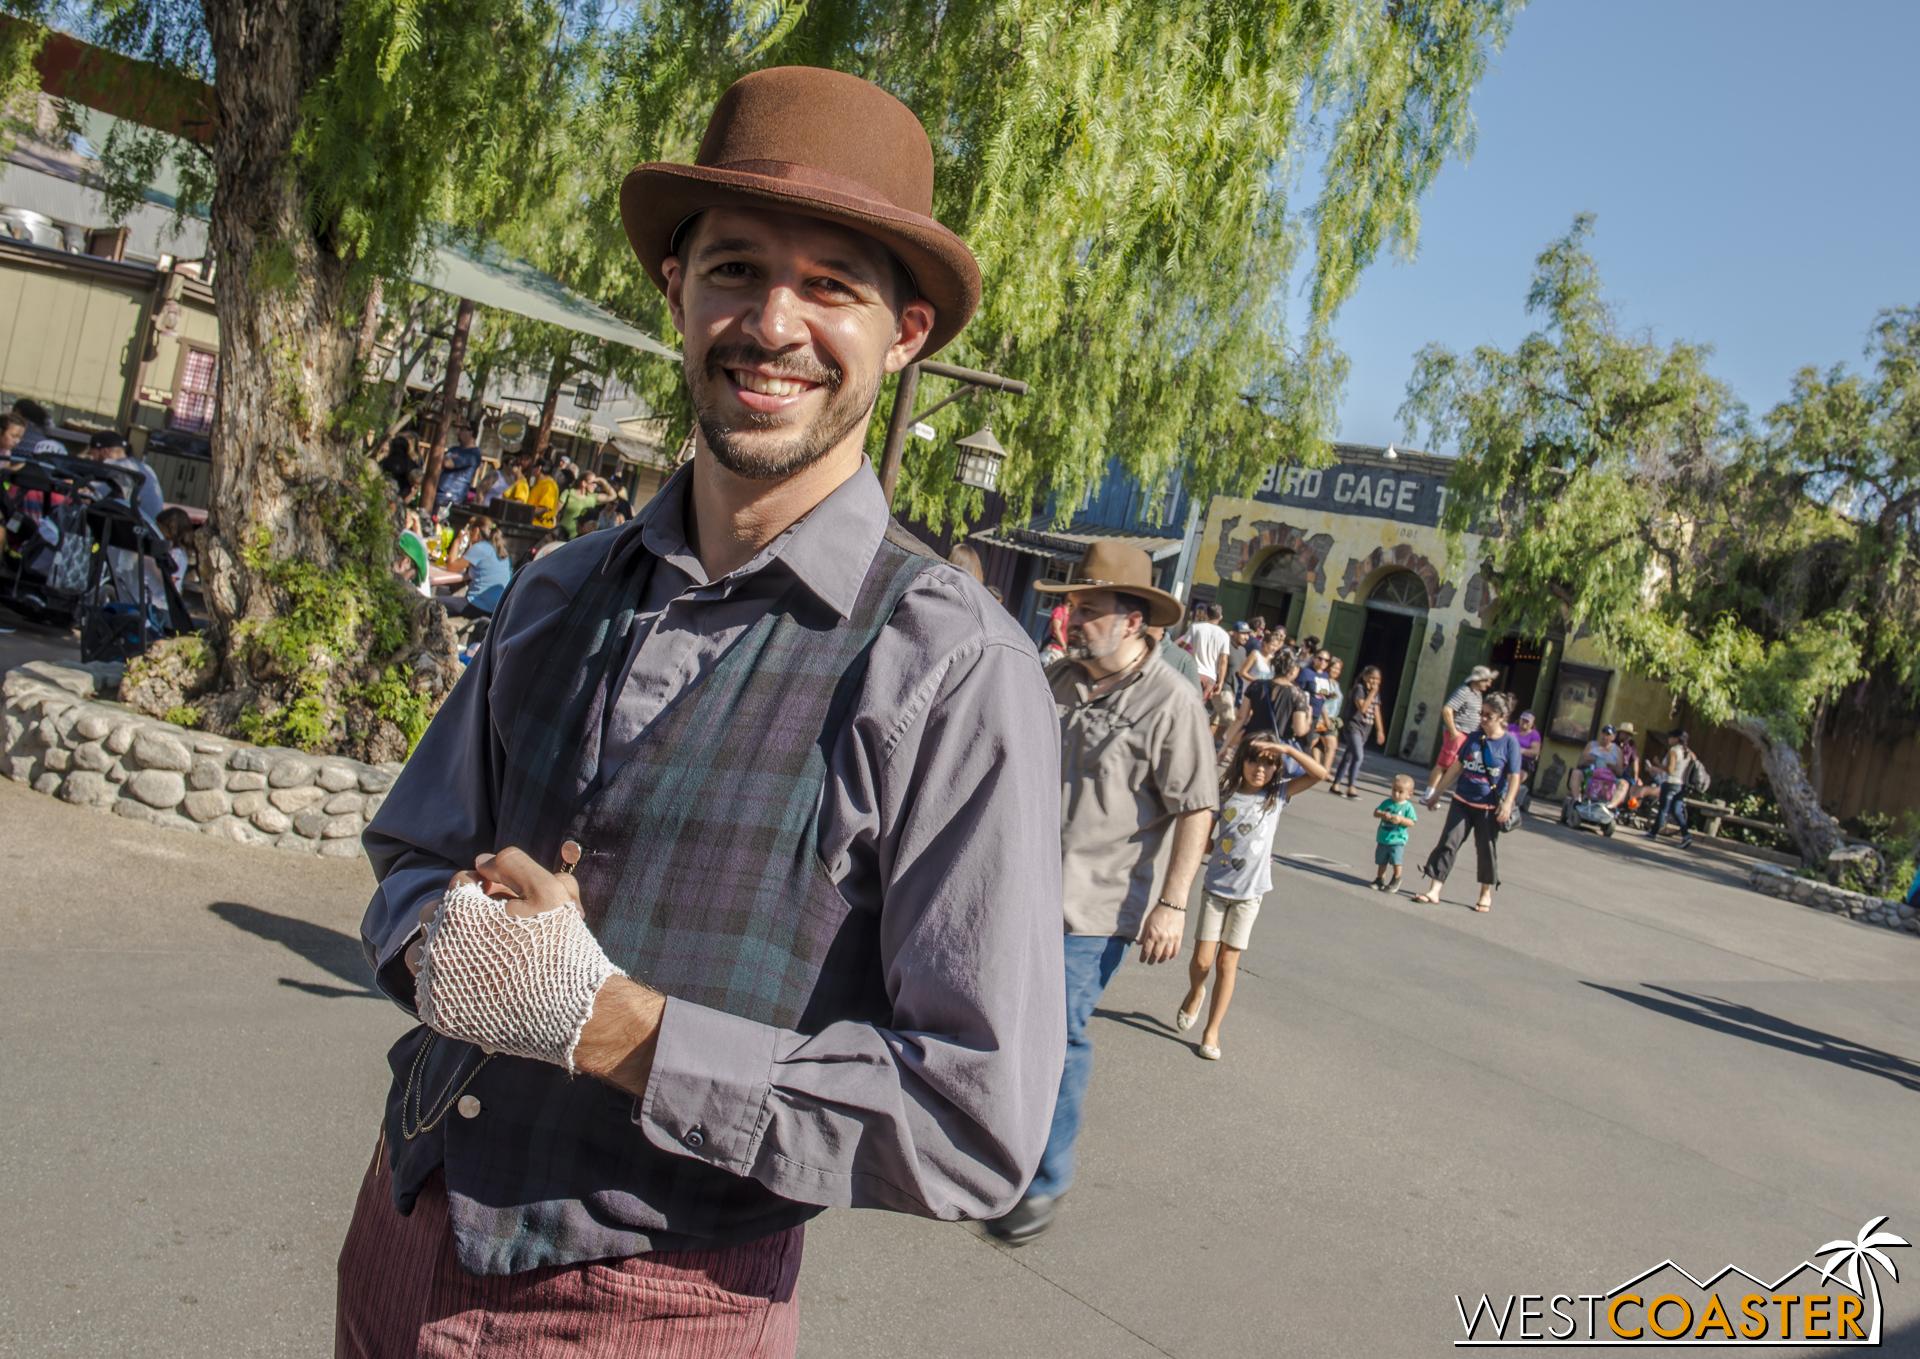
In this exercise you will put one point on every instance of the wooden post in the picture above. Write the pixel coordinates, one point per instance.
(897, 429)
(449, 395)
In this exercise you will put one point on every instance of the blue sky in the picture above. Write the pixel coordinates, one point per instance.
(1752, 165)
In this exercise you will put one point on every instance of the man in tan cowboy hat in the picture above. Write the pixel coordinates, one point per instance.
(726, 880)
(1138, 789)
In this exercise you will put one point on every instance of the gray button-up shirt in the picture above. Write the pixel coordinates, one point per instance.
(941, 797)
(1130, 762)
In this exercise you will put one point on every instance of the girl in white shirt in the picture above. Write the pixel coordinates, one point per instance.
(1240, 872)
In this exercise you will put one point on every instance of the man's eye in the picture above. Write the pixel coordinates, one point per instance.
(731, 269)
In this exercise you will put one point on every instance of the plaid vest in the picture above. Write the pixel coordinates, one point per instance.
(701, 876)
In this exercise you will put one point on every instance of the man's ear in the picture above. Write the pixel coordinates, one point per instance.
(910, 331)
(676, 283)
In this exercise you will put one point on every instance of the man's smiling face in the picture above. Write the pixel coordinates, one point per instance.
(789, 324)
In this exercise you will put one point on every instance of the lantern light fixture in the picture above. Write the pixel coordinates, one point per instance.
(980, 459)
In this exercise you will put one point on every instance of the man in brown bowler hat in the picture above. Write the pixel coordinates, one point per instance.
(1138, 790)
(726, 879)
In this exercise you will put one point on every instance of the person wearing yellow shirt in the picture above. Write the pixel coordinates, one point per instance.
(544, 496)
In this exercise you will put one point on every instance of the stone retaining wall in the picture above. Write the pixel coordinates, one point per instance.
(1778, 882)
(61, 741)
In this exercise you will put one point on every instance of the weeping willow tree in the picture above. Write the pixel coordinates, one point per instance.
(1129, 174)
(1764, 571)
(1128, 171)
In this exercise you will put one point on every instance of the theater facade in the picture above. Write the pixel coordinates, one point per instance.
(1353, 553)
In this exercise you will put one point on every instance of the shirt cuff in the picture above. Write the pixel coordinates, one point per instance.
(708, 1096)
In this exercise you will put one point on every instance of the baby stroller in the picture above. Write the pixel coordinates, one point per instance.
(80, 554)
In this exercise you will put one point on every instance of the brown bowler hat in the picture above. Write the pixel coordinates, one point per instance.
(1107, 565)
(828, 144)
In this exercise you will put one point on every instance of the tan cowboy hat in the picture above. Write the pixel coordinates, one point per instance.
(823, 143)
(1107, 565)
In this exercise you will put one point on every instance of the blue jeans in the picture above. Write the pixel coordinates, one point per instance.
(1673, 806)
(1092, 960)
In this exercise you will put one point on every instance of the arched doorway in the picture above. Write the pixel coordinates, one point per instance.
(1395, 627)
(1279, 591)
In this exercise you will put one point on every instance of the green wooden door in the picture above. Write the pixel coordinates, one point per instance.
(1232, 598)
(1296, 609)
(1470, 648)
(1403, 695)
(1345, 622)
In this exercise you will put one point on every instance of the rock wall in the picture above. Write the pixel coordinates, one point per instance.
(1778, 882)
(61, 740)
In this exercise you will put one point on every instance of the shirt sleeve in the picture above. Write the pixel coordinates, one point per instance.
(1183, 766)
(943, 1110)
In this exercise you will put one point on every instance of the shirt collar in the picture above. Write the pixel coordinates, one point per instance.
(828, 550)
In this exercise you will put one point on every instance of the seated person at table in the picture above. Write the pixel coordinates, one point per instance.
(484, 559)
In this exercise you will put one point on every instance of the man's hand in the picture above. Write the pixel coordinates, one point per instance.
(1160, 936)
(511, 878)
(618, 1041)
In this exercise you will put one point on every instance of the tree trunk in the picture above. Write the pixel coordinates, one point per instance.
(562, 365)
(449, 398)
(1814, 830)
(283, 479)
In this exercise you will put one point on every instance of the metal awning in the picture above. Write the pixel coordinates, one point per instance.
(496, 279)
(1071, 544)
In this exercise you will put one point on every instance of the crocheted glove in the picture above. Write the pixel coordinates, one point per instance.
(522, 985)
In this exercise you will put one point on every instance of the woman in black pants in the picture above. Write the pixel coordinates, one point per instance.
(1485, 780)
(1364, 718)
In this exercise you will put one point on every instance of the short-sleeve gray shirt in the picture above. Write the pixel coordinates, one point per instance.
(1130, 762)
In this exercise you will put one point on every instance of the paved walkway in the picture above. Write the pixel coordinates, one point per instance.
(1632, 1058)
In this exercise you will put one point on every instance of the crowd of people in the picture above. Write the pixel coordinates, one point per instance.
(566, 502)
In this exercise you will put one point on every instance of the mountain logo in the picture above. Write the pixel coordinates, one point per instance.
(1678, 1309)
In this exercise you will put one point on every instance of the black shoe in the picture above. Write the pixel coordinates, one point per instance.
(1686, 842)
(1029, 1218)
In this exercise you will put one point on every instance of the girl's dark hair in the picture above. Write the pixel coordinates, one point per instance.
(1497, 705)
(1285, 659)
(1373, 670)
(1230, 781)
(399, 444)
(1677, 737)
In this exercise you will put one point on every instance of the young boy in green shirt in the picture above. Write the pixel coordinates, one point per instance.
(1396, 816)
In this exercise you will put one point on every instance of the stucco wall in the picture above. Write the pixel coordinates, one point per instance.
(1349, 535)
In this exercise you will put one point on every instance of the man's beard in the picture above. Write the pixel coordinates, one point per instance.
(842, 414)
(1081, 648)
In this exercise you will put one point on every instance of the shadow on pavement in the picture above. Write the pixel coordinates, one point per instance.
(1743, 1021)
(328, 950)
(1146, 1023)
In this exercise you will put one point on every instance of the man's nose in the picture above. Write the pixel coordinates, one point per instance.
(778, 322)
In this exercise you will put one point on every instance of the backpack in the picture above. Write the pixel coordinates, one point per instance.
(1697, 780)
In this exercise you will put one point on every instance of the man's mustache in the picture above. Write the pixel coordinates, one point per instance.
(743, 354)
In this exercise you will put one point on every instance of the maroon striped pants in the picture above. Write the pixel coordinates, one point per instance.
(403, 1295)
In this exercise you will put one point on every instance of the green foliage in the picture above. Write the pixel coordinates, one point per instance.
(1124, 173)
(1625, 491)
(186, 715)
(327, 621)
(392, 698)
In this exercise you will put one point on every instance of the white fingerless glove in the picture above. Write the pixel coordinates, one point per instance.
(518, 984)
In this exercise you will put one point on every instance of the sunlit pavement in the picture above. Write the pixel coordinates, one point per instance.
(1632, 1058)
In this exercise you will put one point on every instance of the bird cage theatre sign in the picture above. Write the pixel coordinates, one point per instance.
(1356, 488)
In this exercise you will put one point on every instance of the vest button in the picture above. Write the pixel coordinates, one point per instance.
(468, 1106)
(694, 1138)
